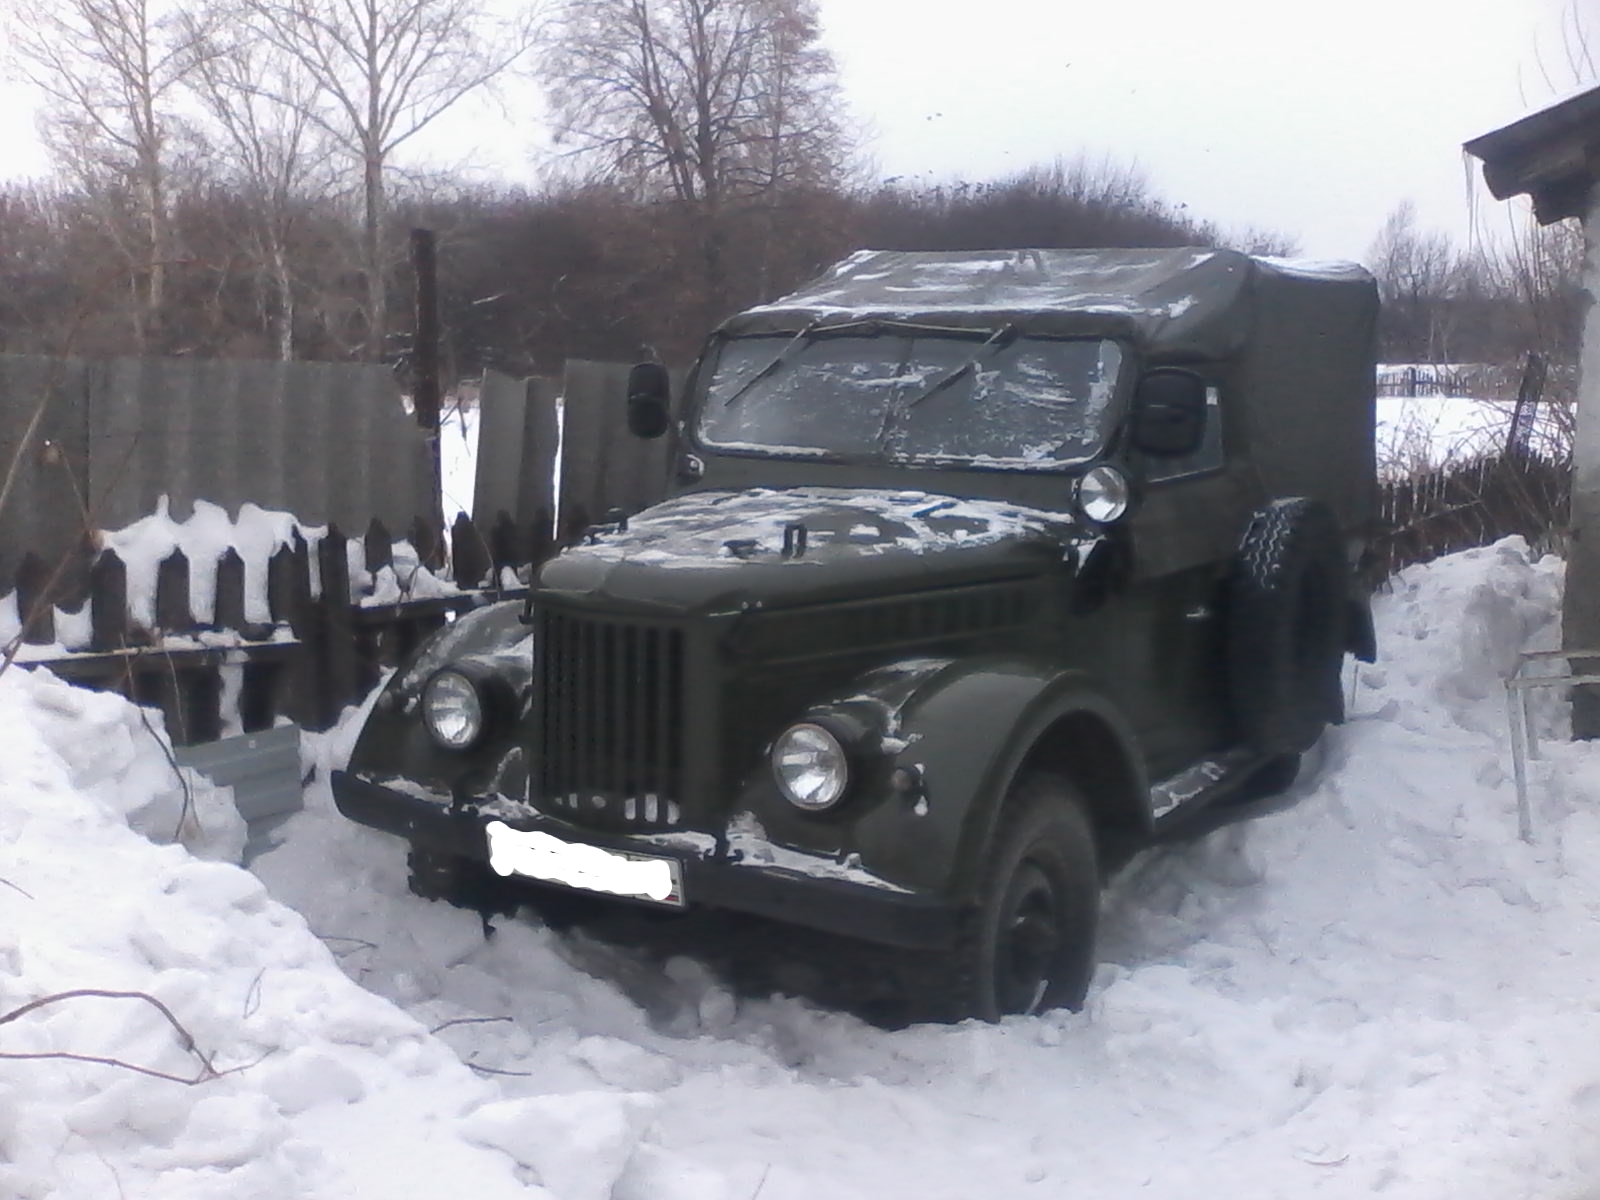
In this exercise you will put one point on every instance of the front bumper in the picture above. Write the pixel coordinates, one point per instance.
(836, 906)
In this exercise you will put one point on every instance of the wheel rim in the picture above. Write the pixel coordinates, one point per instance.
(1029, 941)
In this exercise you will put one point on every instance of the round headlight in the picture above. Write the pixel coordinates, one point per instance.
(453, 710)
(810, 766)
(1103, 495)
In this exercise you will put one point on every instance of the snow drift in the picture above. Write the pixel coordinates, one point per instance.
(1374, 988)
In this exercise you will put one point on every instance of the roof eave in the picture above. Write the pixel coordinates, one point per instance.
(1553, 156)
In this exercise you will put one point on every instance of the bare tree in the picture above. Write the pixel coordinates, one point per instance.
(269, 153)
(383, 70)
(1254, 239)
(108, 71)
(1538, 271)
(708, 103)
(1415, 273)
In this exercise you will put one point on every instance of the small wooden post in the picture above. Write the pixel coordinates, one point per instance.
(428, 543)
(173, 611)
(34, 607)
(505, 546)
(378, 546)
(470, 557)
(228, 610)
(289, 597)
(229, 614)
(108, 602)
(336, 632)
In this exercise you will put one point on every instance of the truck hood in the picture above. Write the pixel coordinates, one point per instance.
(719, 551)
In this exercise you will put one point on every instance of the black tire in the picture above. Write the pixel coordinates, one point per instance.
(1288, 604)
(1028, 944)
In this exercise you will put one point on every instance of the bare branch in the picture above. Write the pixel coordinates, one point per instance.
(383, 70)
(207, 1069)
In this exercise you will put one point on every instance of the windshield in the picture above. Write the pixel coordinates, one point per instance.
(989, 399)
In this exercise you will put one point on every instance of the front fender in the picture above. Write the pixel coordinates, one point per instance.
(971, 735)
(394, 743)
(961, 730)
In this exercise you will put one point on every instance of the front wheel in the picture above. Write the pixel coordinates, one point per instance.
(1028, 944)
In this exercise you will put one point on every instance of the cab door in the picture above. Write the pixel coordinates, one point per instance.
(1182, 537)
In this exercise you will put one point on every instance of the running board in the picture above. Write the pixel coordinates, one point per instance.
(1196, 786)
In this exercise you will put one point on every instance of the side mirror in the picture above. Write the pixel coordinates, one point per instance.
(1169, 412)
(649, 400)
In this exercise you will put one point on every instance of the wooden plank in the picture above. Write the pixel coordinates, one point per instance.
(428, 541)
(470, 559)
(229, 613)
(108, 602)
(336, 646)
(289, 598)
(507, 546)
(34, 609)
(137, 660)
(174, 614)
(378, 546)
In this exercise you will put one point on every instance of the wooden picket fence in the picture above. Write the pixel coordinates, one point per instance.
(317, 653)
(1466, 505)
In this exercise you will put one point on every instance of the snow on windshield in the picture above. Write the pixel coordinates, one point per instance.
(1024, 402)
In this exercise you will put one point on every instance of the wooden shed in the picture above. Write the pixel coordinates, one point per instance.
(1552, 156)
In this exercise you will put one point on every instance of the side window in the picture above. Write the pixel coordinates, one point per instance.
(1206, 457)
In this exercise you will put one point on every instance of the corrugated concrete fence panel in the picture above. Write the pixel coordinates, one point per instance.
(326, 441)
(603, 465)
(144, 439)
(41, 512)
(541, 441)
(517, 439)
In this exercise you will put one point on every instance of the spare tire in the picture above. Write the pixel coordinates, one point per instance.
(1287, 606)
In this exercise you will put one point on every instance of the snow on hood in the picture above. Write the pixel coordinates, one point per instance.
(732, 529)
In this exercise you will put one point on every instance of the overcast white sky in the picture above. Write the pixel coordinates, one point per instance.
(1314, 119)
(1309, 119)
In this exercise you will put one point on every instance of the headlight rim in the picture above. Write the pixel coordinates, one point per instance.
(480, 695)
(1116, 481)
(843, 745)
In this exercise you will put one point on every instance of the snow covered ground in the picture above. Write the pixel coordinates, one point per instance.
(1374, 989)
(1421, 433)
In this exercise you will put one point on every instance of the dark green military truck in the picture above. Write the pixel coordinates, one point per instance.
(976, 567)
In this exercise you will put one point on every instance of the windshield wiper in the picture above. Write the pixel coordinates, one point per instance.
(794, 343)
(990, 344)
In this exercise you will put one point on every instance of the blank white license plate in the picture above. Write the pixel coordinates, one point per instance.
(543, 856)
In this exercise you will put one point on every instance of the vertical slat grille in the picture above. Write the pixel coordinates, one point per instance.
(610, 698)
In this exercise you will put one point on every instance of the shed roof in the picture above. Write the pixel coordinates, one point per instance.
(1553, 155)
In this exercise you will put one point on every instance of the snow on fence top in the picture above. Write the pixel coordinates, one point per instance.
(229, 624)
